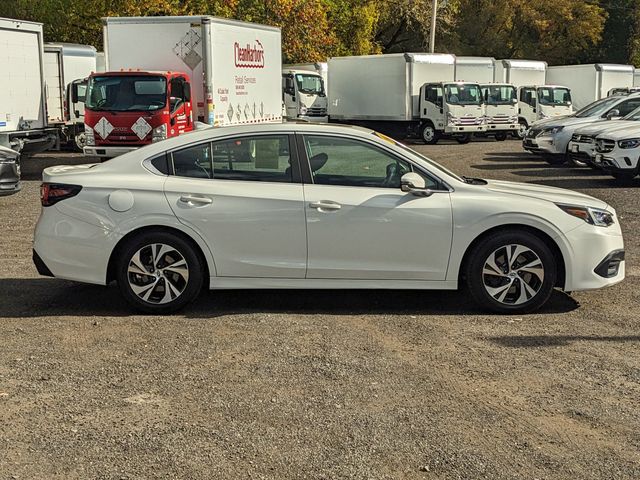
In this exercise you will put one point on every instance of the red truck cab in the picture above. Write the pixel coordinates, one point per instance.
(129, 109)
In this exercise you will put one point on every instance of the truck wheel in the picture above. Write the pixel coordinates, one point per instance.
(501, 137)
(462, 139)
(81, 141)
(522, 129)
(429, 134)
(511, 271)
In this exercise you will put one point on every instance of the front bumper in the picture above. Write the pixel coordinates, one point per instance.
(581, 152)
(107, 151)
(465, 128)
(502, 127)
(546, 144)
(592, 247)
(618, 160)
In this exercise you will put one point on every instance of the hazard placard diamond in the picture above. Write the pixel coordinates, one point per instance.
(141, 128)
(103, 128)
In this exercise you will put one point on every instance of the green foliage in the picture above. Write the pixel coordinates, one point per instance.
(558, 31)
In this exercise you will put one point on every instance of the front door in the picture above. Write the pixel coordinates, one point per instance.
(244, 197)
(360, 225)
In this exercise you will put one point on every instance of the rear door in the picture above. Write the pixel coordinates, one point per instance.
(243, 195)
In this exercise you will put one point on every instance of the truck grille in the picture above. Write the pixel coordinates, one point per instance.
(316, 112)
(468, 120)
(582, 138)
(499, 119)
(605, 146)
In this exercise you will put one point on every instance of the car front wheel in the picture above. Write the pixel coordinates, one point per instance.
(511, 272)
(159, 272)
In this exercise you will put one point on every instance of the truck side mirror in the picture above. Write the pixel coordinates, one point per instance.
(187, 91)
(74, 93)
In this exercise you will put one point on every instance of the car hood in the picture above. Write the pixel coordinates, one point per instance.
(563, 122)
(606, 126)
(550, 194)
(623, 133)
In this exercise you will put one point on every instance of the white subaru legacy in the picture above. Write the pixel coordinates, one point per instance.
(315, 206)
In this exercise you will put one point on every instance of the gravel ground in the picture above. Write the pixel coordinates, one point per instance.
(320, 384)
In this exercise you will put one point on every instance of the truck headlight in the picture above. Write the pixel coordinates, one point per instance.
(513, 119)
(159, 133)
(452, 119)
(593, 216)
(629, 143)
(89, 136)
(303, 110)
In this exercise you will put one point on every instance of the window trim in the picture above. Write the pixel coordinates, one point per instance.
(293, 154)
(307, 176)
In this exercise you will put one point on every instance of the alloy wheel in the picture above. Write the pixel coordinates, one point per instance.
(158, 273)
(513, 274)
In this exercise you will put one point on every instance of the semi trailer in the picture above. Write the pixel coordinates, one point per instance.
(165, 73)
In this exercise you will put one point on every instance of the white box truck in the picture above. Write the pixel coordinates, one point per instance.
(591, 82)
(66, 67)
(405, 94)
(23, 118)
(475, 69)
(537, 100)
(304, 95)
(221, 72)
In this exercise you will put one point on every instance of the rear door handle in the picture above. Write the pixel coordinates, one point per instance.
(195, 200)
(323, 205)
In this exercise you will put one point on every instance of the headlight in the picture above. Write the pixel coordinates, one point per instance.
(593, 216)
(303, 110)
(159, 133)
(452, 119)
(513, 119)
(552, 130)
(629, 143)
(89, 136)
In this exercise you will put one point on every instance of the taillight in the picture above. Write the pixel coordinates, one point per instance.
(51, 193)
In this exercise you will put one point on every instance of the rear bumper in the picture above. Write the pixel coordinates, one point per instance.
(107, 151)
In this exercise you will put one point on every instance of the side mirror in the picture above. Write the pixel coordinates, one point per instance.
(613, 113)
(515, 101)
(187, 92)
(74, 93)
(413, 183)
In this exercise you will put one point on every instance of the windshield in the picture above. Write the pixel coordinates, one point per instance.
(597, 108)
(554, 96)
(462, 94)
(499, 94)
(126, 93)
(310, 84)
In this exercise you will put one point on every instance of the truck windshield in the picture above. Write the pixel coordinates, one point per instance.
(461, 94)
(499, 94)
(310, 84)
(554, 96)
(126, 93)
(597, 108)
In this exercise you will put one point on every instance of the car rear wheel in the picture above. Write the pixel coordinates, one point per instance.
(159, 272)
(511, 272)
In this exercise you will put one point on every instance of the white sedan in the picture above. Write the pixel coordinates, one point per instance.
(315, 206)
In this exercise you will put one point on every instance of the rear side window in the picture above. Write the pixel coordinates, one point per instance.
(193, 162)
(259, 159)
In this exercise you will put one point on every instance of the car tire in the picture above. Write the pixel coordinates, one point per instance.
(429, 134)
(503, 283)
(501, 137)
(149, 263)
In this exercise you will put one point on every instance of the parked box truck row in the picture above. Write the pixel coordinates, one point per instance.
(164, 73)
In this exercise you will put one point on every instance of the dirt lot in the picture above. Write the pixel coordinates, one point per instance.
(320, 385)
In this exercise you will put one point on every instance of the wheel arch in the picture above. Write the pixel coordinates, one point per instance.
(550, 242)
(111, 265)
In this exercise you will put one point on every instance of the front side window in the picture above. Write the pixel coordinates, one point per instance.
(527, 95)
(348, 162)
(126, 93)
(628, 106)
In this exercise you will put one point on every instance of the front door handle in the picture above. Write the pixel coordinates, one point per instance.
(195, 200)
(323, 205)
